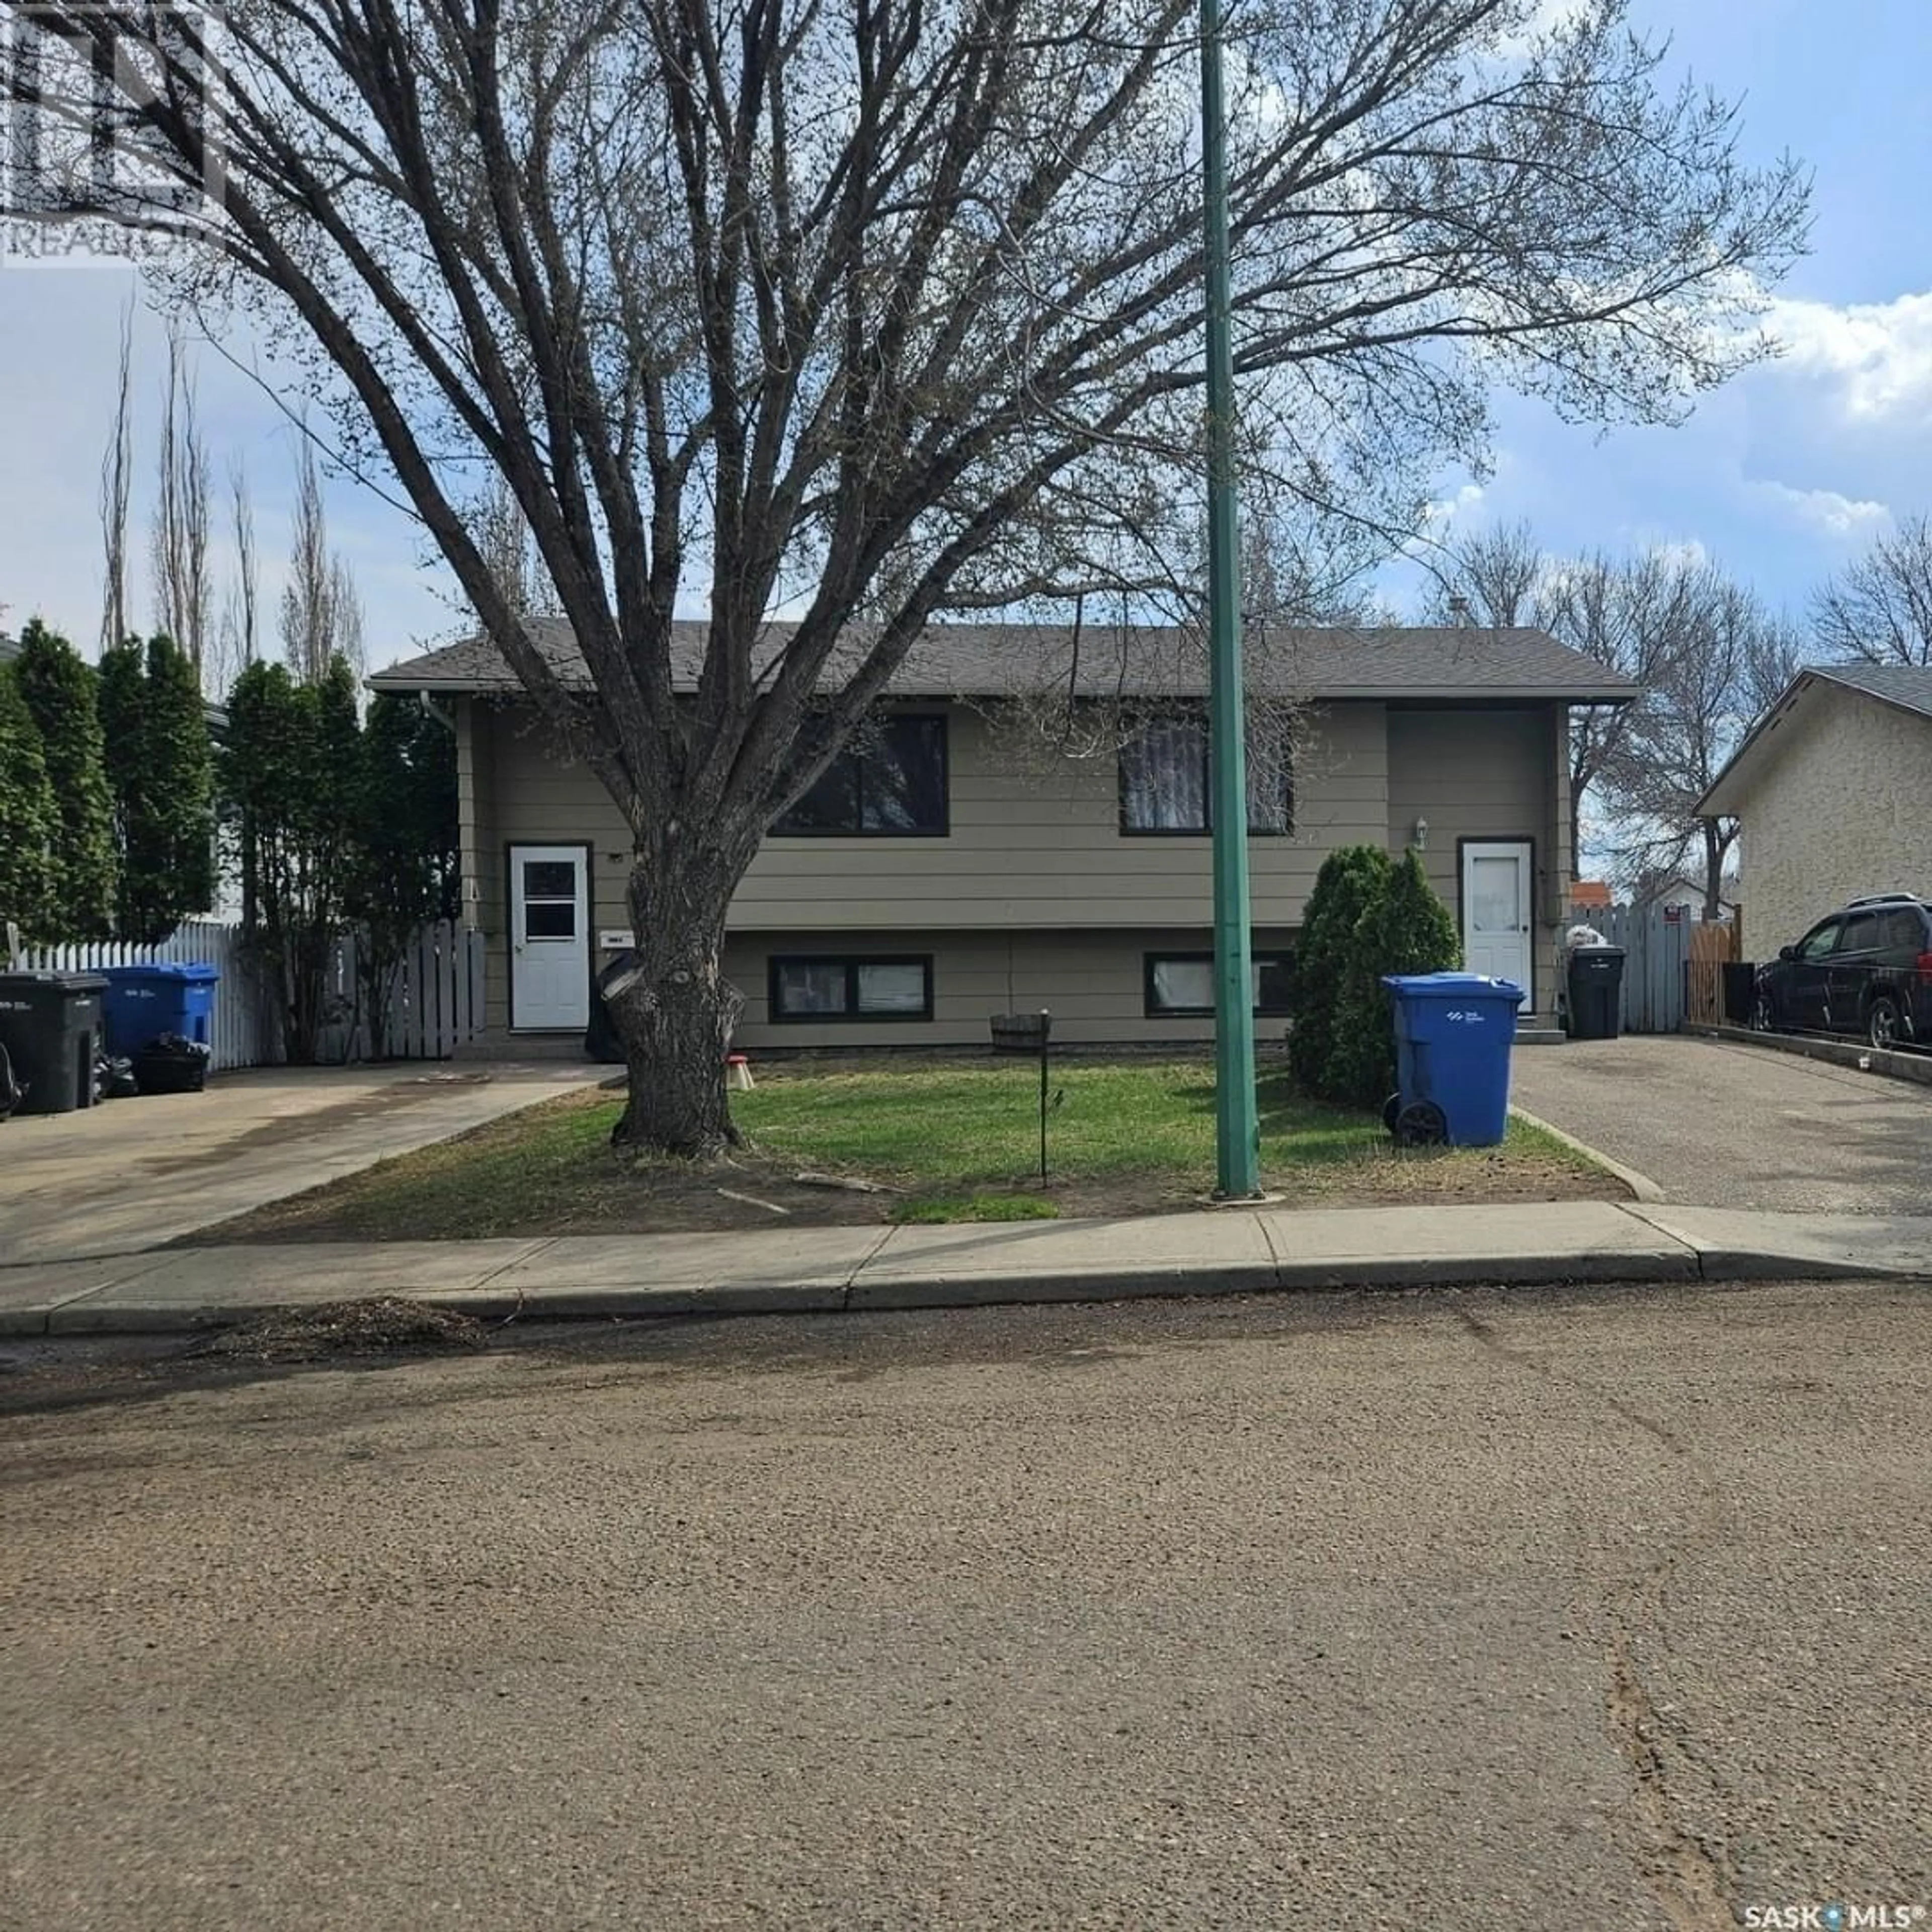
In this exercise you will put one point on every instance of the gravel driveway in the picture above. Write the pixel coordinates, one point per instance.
(1475, 1612)
(1738, 1126)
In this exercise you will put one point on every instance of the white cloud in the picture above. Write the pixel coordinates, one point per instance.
(1827, 510)
(1439, 513)
(1875, 357)
(1676, 553)
(1522, 35)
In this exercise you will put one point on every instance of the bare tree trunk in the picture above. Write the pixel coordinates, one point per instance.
(676, 1015)
(1719, 835)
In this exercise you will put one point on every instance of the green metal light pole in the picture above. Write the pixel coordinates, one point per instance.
(1237, 1131)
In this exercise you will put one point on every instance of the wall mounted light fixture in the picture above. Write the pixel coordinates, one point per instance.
(1422, 835)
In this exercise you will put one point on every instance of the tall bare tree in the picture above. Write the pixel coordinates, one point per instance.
(1633, 615)
(881, 310)
(178, 549)
(1500, 577)
(117, 470)
(238, 641)
(1699, 703)
(1880, 608)
(508, 551)
(321, 614)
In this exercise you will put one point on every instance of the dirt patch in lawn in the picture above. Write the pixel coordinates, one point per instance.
(549, 1170)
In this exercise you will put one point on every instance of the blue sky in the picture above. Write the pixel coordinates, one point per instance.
(1782, 476)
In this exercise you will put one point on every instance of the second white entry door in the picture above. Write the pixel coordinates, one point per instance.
(1496, 909)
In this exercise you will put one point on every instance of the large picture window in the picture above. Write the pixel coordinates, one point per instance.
(1166, 784)
(817, 987)
(889, 782)
(1180, 985)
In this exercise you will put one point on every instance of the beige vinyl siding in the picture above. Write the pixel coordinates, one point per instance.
(540, 799)
(1026, 846)
(1481, 774)
(476, 796)
(1038, 849)
(1036, 845)
(1093, 982)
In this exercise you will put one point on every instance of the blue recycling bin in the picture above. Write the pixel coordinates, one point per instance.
(142, 1003)
(1452, 1035)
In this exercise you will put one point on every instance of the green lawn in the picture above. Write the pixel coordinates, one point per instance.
(965, 1125)
(954, 1140)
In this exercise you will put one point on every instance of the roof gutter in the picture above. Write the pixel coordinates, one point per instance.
(1382, 694)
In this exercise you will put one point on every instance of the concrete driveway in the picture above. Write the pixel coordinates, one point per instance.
(1739, 1126)
(134, 1173)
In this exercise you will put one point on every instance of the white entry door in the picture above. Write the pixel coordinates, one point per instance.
(1496, 909)
(549, 938)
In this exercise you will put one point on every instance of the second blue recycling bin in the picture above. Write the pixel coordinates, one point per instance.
(1452, 1035)
(142, 1003)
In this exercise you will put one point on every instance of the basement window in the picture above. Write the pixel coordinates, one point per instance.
(822, 987)
(1180, 985)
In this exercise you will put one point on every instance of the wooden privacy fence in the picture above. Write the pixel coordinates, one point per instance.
(1713, 945)
(1656, 954)
(434, 1005)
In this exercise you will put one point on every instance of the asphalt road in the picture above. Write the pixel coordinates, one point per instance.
(1480, 1610)
(1721, 1125)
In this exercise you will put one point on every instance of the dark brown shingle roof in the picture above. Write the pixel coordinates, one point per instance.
(989, 660)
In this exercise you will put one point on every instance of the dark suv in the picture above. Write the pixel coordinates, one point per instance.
(1866, 970)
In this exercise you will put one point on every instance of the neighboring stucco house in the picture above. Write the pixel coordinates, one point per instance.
(1831, 790)
(947, 870)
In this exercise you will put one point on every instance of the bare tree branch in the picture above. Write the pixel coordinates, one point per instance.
(1880, 608)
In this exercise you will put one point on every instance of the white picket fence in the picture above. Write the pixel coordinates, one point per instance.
(436, 1005)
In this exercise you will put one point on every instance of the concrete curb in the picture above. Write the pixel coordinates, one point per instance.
(1640, 1185)
(1669, 1262)
(846, 1271)
(1914, 1067)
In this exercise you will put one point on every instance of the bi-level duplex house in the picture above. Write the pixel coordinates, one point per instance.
(955, 865)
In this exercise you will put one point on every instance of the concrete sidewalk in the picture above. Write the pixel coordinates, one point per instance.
(819, 1270)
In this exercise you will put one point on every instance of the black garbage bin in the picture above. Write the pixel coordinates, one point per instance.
(1596, 992)
(1740, 992)
(50, 1026)
(601, 1042)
